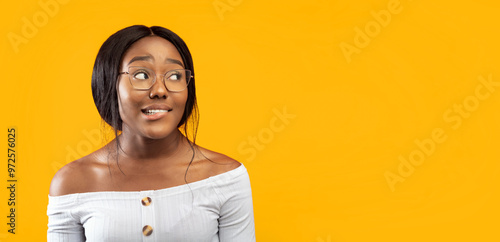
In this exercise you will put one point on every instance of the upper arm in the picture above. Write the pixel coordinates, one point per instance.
(236, 221)
(62, 224)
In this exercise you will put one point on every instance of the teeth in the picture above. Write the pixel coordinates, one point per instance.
(154, 111)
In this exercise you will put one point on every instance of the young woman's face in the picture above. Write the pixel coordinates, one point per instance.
(152, 113)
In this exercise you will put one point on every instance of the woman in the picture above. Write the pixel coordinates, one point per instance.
(151, 183)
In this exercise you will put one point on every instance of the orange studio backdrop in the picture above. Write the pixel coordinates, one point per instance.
(357, 120)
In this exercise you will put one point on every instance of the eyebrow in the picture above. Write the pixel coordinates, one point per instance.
(170, 60)
(149, 58)
(141, 58)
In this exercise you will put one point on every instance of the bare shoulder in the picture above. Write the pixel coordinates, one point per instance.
(75, 177)
(216, 163)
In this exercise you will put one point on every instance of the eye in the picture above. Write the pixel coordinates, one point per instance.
(141, 75)
(175, 76)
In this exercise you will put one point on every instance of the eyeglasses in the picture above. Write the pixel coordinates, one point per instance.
(142, 78)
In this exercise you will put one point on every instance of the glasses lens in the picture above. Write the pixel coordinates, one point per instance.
(140, 77)
(144, 78)
(177, 80)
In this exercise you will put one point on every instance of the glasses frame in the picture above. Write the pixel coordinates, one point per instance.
(154, 80)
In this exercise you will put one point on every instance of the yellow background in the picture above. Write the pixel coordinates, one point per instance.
(321, 175)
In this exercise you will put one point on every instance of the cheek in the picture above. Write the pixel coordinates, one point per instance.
(128, 102)
(180, 100)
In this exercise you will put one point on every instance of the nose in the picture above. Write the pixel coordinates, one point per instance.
(158, 90)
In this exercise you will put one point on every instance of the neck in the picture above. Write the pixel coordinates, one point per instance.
(141, 148)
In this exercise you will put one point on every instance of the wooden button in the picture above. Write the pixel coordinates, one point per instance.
(147, 230)
(146, 201)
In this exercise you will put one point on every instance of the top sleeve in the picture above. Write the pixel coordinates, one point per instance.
(63, 227)
(236, 221)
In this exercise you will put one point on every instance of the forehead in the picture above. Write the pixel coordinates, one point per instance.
(158, 48)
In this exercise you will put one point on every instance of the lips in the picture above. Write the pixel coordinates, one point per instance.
(156, 109)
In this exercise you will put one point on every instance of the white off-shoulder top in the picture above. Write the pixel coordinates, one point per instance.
(218, 208)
